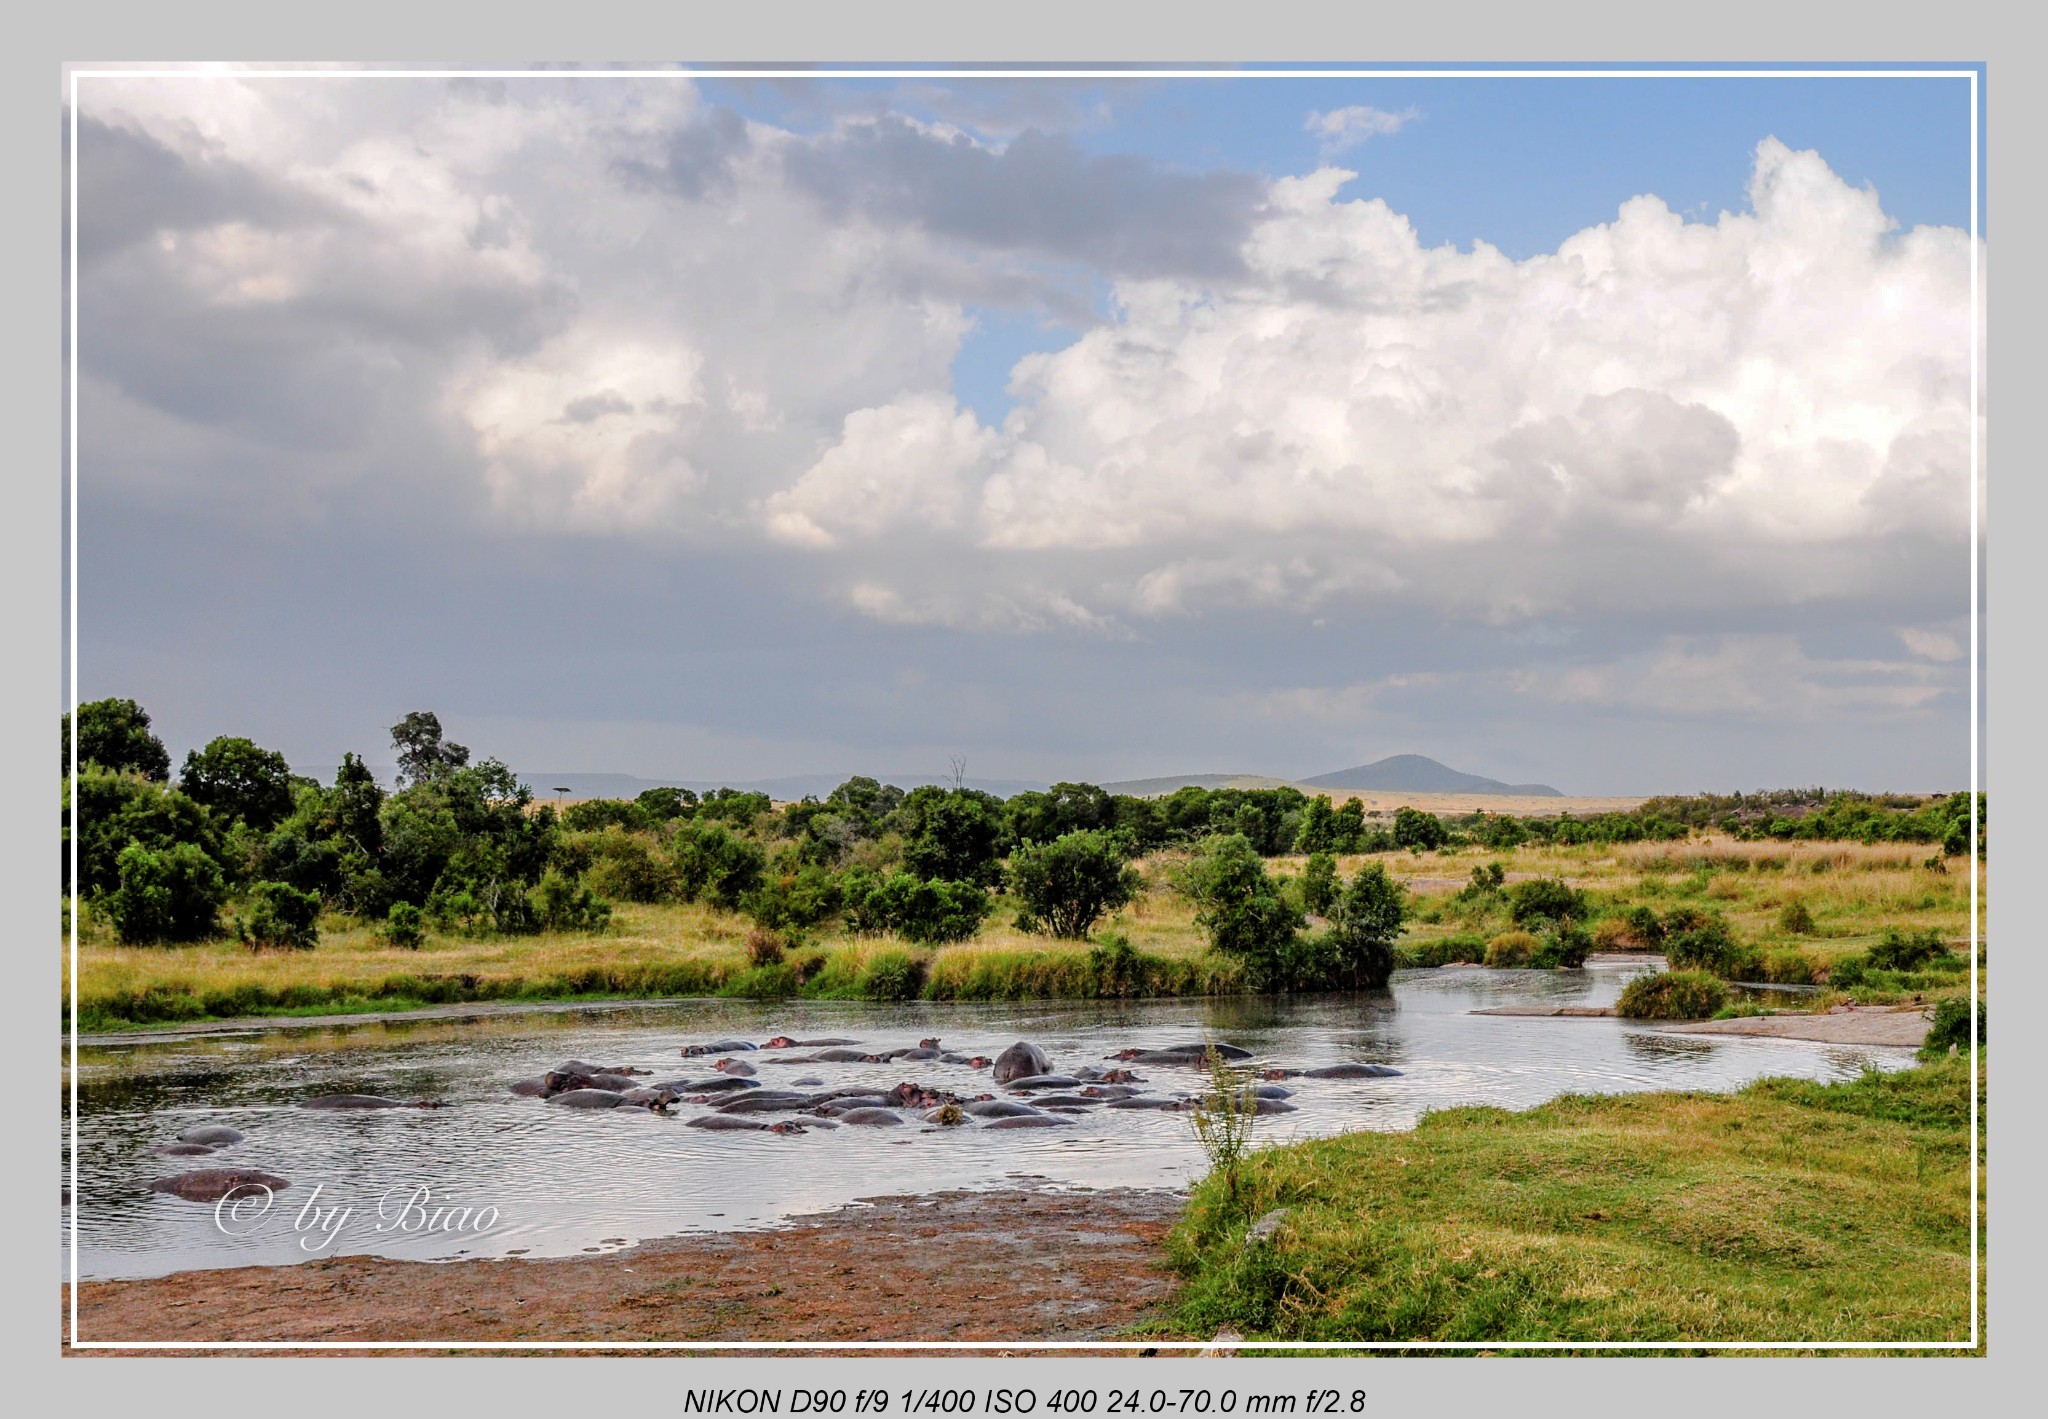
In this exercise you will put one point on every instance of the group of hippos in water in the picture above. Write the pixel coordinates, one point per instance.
(733, 1098)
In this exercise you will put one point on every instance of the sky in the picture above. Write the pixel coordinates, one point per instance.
(1612, 433)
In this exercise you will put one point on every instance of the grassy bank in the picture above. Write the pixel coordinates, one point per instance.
(1850, 894)
(1789, 1211)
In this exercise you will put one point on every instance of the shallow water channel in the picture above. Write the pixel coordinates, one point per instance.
(565, 1182)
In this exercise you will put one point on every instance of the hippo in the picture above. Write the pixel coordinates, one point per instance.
(1028, 1121)
(1046, 1081)
(1020, 1061)
(1095, 1074)
(1148, 1103)
(836, 1108)
(577, 1066)
(997, 1108)
(920, 1096)
(919, 1053)
(214, 1184)
(561, 1081)
(1103, 1092)
(785, 1042)
(871, 1117)
(713, 1086)
(652, 1096)
(808, 1079)
(1063, 1101)
(363, 1101)
(1353, 1071)
(840, 1056)
(768, 1101)
(184, 1150)
(588, 1099)
(1065, 1109)
(214, 1133)
(718, 1047)
(734, 1067)
(727, 1121)
(1182, 1054)
(530, 1088)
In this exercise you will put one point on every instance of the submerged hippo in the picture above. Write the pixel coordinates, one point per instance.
(835, 1108)
(1345, 1071)
(531, 1088)
(1021, 1061)
(1046, 1081)
(768, 1101)
(561, 1081)
(1259, 1105)
(589, 1099)
(1103, 1092)
(213, 1184)
(718, 1047)
(785, 1042)
(734, 1067)
(1147, 1102)
(184, 1150)
(1064, 1101)
(872, 1117)
(808, 1079)
(838, 1056)
(1034, 1120)
(728, 1085)
(997, 1108)
(751, 1125)
(364, 1101)
(215, 1133)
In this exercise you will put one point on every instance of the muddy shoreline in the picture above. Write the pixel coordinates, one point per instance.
(1039, 1265)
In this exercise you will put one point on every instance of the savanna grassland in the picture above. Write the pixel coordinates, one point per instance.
(1851, 892)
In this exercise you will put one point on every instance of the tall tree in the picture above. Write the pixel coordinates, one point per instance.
(115, 734)
(423, 754)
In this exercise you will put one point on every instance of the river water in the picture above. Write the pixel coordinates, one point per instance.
(565, 1182)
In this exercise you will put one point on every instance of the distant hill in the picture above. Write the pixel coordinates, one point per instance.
(1412, 773)
(1160, 787)
(782, 790)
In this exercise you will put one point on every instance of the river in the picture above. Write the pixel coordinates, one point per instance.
(540, 1180)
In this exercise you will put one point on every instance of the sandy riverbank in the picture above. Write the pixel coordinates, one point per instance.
(966, 1266)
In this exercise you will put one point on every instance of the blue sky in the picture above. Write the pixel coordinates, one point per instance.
(679, 428)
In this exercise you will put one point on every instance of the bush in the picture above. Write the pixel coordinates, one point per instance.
(403, 927)
(1366, 923)
(1672, 995)
(764, 947)
(1906, 951)
(626, 866)
(1796, 918)
(1545, 899)
(926, 912)
(1443, 950)
(794, 900)
(714, 864)
(282, 915)
(1565, 948)
(560, 904)
(1951, 1027)
(1510, 949)
(1709, 946)
(1244, 912)
(1414, 828)
(892, 975)
(1067, 884)
(1789, 966)
(1319, 883)
(170, 895)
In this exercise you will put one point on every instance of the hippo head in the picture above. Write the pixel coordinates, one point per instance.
(928, 1044)
(722, 1065)
(780, 1042)
(1119, 1076)
(785, 1127)
(980, 1061)
(1127, 1054)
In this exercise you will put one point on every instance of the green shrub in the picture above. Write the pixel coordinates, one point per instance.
(716, 865)
(1067, 885)
(794, 900)
(1951, 1027)
(1709, 946)
(403, 926)
(1416, 829)
(892, 975)
(627, 867)
(1118, 969)
(1510, 949)
(1790, 966)
(1366, 921)
(1565, 948)
(1442, 950)
(1796, 918)
(1847, 972)
(170, 895)
(282, 915)
(1246, 916)
(1672, 995)
(1319, 883)
(1906, 951)
(1545, 899)
(913, 909)
(560, 904)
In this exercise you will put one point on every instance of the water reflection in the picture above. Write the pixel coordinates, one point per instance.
(566, 1182)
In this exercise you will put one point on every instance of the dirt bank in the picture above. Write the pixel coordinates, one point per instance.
(1858, 1025)
(988, 1266)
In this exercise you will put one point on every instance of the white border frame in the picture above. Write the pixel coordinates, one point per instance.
(1761, 71)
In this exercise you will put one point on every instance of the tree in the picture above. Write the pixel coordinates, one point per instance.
(1065, 808)
(1067, 884)
(1365, 926)
(1244, 911)
(282, 915)
(115, 734)
(716, 865)
(240, 782)
(1415, 828)
(169, 895)
(918, 911)
(117, 807)
(953, 836)
(1319, 884)
(1318, 832)
(423, 754)
(1546, 899)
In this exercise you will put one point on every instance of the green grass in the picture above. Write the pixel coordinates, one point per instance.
(1790, 1211)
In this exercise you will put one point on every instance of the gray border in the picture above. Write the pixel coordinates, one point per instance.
(1730, 31)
